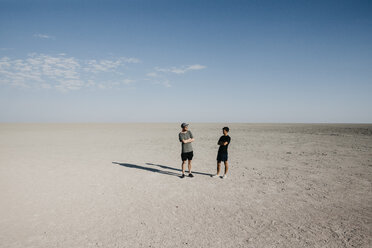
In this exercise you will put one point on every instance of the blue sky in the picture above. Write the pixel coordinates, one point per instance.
(194, 61)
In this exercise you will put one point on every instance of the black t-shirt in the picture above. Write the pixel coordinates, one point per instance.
(223, 149)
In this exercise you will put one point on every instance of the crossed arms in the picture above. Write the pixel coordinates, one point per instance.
(188, 140)
(221, 143)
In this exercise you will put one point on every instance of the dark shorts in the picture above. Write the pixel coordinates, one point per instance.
(222, 156)
(187, 156)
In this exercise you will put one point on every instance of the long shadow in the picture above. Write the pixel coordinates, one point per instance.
(171, 168)
(135, 166)
(147, 168)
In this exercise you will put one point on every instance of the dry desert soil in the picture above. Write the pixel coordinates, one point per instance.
(118, 185)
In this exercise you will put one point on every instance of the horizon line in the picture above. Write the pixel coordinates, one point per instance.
(198, 122)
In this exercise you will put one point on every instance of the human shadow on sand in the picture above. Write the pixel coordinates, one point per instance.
(135, 166)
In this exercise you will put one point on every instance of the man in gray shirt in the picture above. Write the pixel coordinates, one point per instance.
(186, 137)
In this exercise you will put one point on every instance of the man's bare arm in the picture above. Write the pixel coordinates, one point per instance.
(188, 140)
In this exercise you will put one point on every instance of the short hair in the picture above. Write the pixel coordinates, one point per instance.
(226, 128)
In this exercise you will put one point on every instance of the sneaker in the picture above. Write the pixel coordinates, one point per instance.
(224, 176)
(183, 175)
(191, 175)
(215, 176)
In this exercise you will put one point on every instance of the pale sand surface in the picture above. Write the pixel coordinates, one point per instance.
(290, 185)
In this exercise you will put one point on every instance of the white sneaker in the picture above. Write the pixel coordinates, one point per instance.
(215, 176)
(224, 176)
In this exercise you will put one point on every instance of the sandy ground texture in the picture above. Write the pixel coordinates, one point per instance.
(118, 185)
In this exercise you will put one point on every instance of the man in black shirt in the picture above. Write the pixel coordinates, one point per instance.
(222, 155)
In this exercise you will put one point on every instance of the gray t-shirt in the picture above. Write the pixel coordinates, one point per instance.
(184, 136)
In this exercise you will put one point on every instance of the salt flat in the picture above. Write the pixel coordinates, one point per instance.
(118, 185)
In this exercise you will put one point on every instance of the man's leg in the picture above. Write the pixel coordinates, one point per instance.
(226, 167)
(218, 167)
(189, 166)
(183, 167)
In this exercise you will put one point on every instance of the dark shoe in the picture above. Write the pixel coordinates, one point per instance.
(183, 175)
(191, 175)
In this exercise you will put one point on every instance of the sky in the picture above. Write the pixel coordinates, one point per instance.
(186, 61)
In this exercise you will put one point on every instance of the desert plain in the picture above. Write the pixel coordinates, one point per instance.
(118, 185)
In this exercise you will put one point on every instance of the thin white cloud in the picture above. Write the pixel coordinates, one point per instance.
(128, 81)
(66, 73)
(130, 60)
(111, 84)
(105, 65)
(102, 65)
(164, 83)
(63, 72)
(196, 67)
(44, 36)
(180, 70)
(161, 73)
(152, 74)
